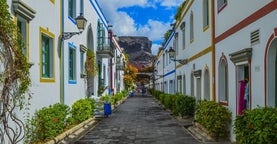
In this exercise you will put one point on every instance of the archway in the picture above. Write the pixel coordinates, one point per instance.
(90, 79)
(272, 74)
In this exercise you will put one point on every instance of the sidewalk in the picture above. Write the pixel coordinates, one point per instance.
(140, 120)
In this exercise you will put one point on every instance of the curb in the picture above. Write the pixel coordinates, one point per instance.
(73, 132)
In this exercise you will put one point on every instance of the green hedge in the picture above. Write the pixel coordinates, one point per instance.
(184, 105)
(257, 126)
(81, 110)
(214, 117)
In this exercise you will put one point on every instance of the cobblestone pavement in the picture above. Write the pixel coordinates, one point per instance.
(140, 120)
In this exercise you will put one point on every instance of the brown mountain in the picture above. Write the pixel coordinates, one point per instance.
(139, 50)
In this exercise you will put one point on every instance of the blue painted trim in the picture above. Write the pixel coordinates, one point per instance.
(71, 45)
(103, 21)
(100, 10)
(169, 39)
(72, 82)
(169, 73)
(72, 20)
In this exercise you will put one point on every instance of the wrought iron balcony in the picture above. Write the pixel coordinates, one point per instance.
(105, 48)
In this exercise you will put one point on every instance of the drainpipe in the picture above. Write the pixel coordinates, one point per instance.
(213, 52)
(111, 62)
(61, 45)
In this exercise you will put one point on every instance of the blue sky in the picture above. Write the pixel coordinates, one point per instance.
(150, 18)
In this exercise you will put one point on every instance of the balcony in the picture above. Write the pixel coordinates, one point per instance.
(105, 49)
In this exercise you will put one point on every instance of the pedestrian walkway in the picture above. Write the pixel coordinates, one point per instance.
(140, 120)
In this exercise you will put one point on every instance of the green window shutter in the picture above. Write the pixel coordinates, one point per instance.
(45, 57)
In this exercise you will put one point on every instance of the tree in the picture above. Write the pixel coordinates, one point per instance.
(130, 75)
(14, 78)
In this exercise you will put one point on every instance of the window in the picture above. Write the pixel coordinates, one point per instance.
(206, 85)
(82, 7)
(221, 4)
(191, 28)
(192, 85)
(223, 81)
(83, 50)
(184, 84)
(205, 14)
(163, 60)
(47, 56)
(22, 26)
(72, 8)
(198, 88)
(100, 36)
(175, 44)
(72, 63)
(183, 28)
(179, 84)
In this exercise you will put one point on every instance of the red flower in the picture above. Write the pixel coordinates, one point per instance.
(250, 127)
(56, 120)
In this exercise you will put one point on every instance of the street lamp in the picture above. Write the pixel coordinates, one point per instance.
(118, 60)
(81, 22)
(171, 53)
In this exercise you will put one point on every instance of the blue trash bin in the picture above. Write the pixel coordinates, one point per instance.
(107, 109)
(131, 94)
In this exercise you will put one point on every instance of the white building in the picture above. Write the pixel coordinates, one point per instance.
(57, 50)
(224, 44)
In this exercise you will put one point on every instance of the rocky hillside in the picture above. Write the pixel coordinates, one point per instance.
(139, 50)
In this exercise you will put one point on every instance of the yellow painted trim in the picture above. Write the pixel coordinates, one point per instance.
(51, 35)
(206, 28)
(52, 1)
(185, 13)
(205, 51)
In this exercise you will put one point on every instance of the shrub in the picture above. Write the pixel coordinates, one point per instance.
(214, 117)
(49, 122)
(169, 101)
(184, 105)
(81, 110)
(92, 104)
(257, 126)
(106, 98)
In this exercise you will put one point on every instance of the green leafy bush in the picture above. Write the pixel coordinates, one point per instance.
(214, 117)
(106, 98)
(257, 126)
(184, 105)
(50, 121)
(92, 103)
(169, 101)
(81, 110)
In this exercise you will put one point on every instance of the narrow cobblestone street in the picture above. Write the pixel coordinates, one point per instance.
(139, 120)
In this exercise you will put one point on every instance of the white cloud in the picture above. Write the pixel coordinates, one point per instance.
(171, 3)
(124, 25)
(154, 29)
(155, 48)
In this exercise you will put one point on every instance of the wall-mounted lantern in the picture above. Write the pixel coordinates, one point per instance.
(81, 22)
